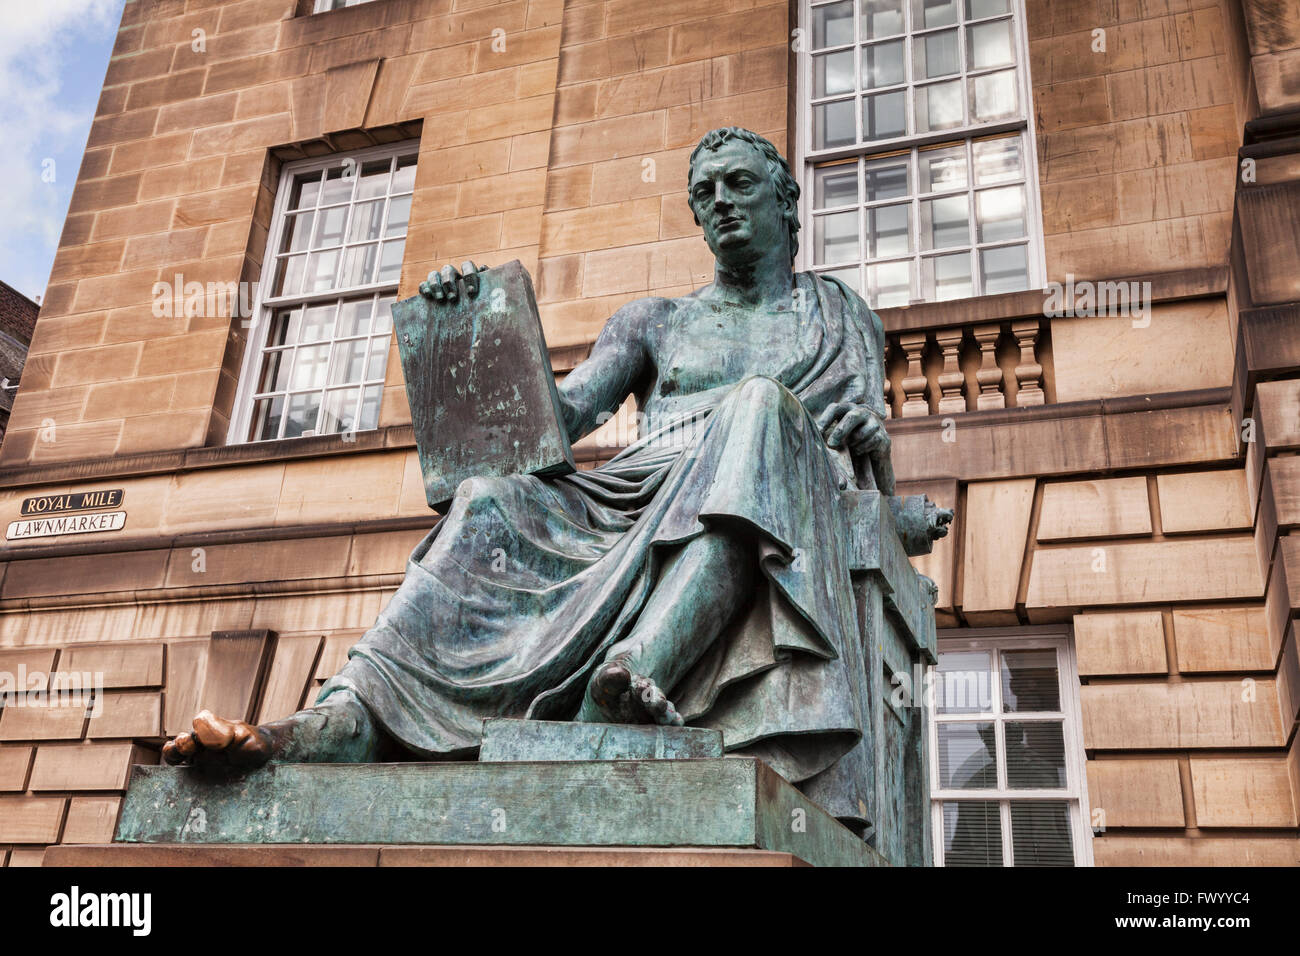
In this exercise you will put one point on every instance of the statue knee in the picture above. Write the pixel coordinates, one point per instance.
(759, 389)
(480, 492)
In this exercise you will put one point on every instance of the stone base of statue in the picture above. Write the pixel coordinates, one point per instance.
(560, 791)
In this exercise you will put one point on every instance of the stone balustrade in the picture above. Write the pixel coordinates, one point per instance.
(967, 366)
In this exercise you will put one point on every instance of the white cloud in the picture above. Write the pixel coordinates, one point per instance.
(40, 45)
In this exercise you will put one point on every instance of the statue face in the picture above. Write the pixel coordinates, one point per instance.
(736, 203)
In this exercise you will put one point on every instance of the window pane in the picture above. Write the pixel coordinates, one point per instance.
(993, 96)
(889, 284)
(939, 106)
(835, 237)
(317, 323)
(946, 277)
(378, 358)
(288, 275)
(835, 186)
(881, 18)
(989, 45)
(329, 227)
(832, 73)
(390, 261)
(367, 221)
(972, 833)
(384, 313)
(322, 267)
(359, 265)
(886, 178)
(997, 160)
(833, 124)
(370, 407)
(943, 169)
(349, 361)
(309, 367)
(882, 65)
(889, 231)
(1004, 269)
(1040, 833)
(306, 190)
(404, 177)
(967, 757)
(275, 371)
(933, 13)
(1029, 682)
(399, 217)
(832, 25)
(340, 411)
(267, 413)
(936, 55)
(374, 179)
(884, 115)
(284, 327)
(945, 222)
(338, 183)
(1035, 755)
(297, 232)
(1001, 213)
(978, 9)
(964, 683)
(303, 410)
(354, 317)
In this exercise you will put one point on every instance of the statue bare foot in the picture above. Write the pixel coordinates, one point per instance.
(216, 741)
(628, 698)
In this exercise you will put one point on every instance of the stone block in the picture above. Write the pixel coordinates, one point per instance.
(730, 802)
(514, 740)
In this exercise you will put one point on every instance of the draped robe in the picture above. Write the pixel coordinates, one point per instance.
(514, 597)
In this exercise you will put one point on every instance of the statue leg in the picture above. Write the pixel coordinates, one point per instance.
(340, 729)
(697, 594)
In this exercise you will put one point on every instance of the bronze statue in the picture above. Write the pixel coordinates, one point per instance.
(701, 576)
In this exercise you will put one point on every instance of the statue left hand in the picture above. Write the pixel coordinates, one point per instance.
(858, 427)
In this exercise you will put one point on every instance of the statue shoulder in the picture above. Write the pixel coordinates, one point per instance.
(638, 318)
(856, 307)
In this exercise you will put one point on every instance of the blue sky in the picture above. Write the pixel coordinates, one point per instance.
(53, 55)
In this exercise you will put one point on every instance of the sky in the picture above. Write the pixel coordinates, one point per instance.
(53, 56)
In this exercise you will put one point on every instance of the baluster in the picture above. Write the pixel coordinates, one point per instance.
(889, 395)
(914, 383)
(990, 374)
(951, 381)
(1029, 389)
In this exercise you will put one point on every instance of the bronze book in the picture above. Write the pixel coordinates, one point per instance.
(480, 384)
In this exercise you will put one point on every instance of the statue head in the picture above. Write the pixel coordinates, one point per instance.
(742, 194)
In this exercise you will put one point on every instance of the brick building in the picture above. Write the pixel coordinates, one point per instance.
(1078, 220)
(17, 320)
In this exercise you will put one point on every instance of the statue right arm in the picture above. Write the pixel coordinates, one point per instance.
(618, 362)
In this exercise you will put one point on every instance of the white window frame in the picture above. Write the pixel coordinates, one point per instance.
(1076, 790)
(324, 6)
(806, 158)
(266, 304)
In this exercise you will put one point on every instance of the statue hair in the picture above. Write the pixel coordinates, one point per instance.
(778, 169)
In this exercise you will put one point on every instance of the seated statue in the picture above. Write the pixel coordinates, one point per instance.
(700, 577)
